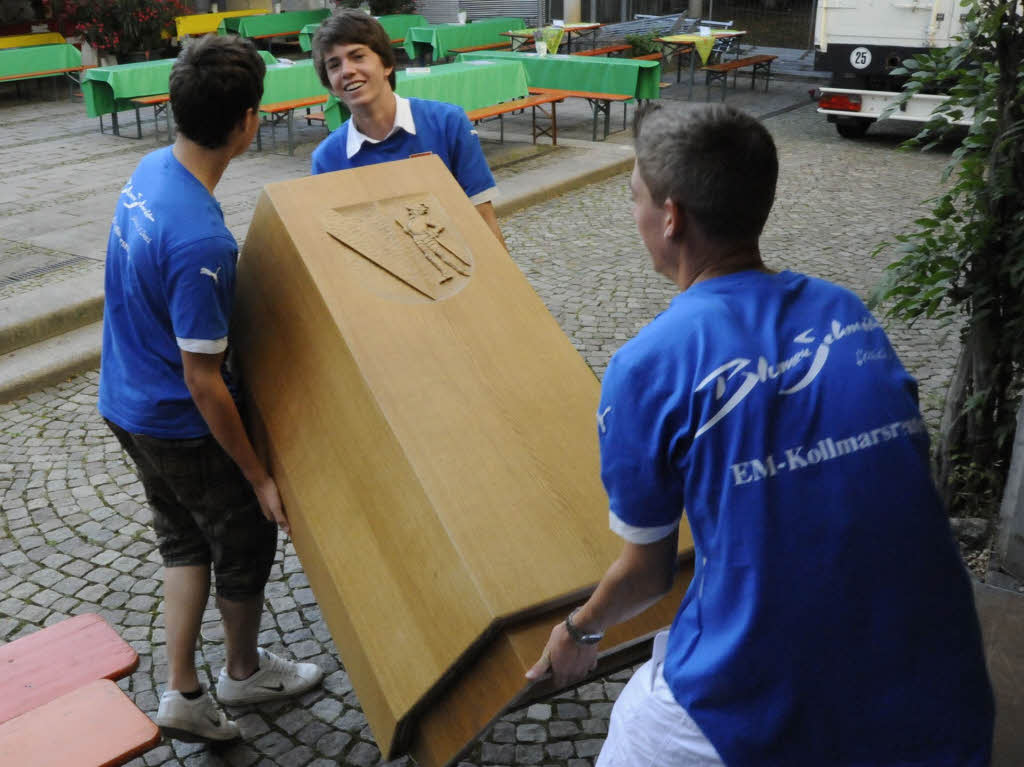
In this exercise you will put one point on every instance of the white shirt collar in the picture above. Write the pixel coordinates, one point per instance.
(403, 121)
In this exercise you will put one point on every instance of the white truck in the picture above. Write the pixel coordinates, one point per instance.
(861, 41)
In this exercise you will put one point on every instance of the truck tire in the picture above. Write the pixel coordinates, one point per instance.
(853, 127)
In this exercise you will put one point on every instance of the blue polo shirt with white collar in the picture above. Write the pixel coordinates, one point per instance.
(420, 126)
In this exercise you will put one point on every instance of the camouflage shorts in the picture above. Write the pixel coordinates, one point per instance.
(204, 510)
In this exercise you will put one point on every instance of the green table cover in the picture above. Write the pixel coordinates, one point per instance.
(287, 23)
(38, 58)
(468, 85)
(110, 89)
(285, 82)
(595, 74)
(441, 38)
(394, 24)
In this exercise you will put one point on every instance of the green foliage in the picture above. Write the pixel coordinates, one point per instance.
(967, 257)
(643, 44)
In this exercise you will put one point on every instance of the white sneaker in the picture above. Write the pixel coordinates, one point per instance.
(193, 721)
(276, 678)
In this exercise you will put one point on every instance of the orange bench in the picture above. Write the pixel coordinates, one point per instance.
(761, 65)
(68, 71)
(284, 110)
(49, 663)
(601, 103)
(657, 56)
(93, 726)
(607, 50)
(160, 103)
(488, 47)
(534, 102)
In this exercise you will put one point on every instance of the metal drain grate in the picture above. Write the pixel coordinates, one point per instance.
(39, 271)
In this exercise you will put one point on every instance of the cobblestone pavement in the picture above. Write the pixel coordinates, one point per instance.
(74, 535)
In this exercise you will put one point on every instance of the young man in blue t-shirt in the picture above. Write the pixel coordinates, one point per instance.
(830, 620)
(170, 278)
(354, 58)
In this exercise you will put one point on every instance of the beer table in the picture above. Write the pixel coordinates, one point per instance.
(38, 61)
(677, 45)
(395, 24)
(439, 39)
(270, 25)
(207, 23)
(109, 90)
(468, 85)
(580, 31)
(628, 77)
(38, 38)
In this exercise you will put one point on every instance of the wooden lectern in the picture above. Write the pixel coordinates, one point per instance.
(433, 434)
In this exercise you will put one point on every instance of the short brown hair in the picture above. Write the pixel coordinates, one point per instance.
(718, 163)
(214, 82)
(348, 27)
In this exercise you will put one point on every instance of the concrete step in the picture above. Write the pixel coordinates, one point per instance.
(33, 367)
(50, 310)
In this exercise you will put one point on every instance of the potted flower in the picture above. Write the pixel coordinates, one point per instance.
(132, 30)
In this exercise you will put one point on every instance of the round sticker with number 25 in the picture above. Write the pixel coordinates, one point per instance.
(860, 58)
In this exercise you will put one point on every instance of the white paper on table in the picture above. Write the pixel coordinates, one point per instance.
(542, 48)
(558, 22)
(704, 31)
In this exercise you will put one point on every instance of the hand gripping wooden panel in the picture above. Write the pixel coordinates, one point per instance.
(432, 431)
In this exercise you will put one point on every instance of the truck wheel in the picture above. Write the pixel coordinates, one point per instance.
(853, 127)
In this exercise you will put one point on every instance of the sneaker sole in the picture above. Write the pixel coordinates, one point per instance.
(187, 736)
(269, 696)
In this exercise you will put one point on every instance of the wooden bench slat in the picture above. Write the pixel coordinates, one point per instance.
(43, 666)
(488, 47)
(584, 94)
(602, 51)
(285, 106)
(728, 66)
(93, 726)
(162, 98)
(656, 56)
(44, 73)
(512, 106)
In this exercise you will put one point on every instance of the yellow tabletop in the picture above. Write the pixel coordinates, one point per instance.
(40, 38)
(703, 43)
(207, 23)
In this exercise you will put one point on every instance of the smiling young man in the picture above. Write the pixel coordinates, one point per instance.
(830, 620)
(354, 58)
(170, 278)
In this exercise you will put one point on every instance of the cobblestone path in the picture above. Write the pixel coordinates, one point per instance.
(74, 533)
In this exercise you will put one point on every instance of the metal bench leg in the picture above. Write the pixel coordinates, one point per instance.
(291, 145)
(138, 122)
(113, 119)
(607, 119)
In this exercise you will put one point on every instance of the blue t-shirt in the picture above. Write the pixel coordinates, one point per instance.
(441, 128)
(830, 620)
(170, 280)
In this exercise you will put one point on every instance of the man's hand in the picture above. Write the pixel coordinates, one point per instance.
(270, 503)
(567, 660)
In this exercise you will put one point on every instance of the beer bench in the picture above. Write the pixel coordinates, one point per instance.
(607, 50)
(161, 105)
(58, 705)
(600, 103)
(761, 65)
(284, 110)
(488, 47)
(65, 71)
(535, 102)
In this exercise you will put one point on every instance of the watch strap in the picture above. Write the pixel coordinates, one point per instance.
(578, 636)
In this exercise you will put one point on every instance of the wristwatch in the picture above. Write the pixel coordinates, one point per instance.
(578, 636)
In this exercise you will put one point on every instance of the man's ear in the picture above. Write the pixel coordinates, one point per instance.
(675, 220)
